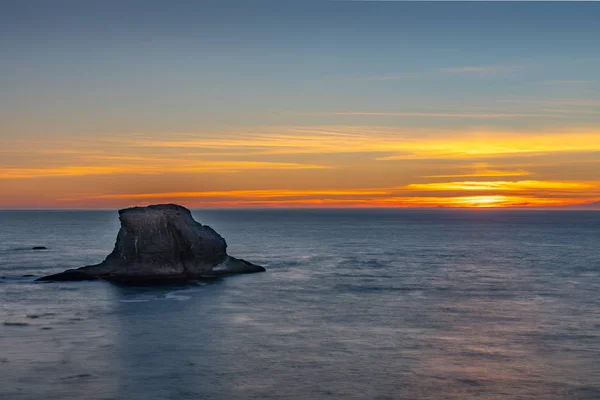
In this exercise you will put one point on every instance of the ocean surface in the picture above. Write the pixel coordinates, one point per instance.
(356, 304)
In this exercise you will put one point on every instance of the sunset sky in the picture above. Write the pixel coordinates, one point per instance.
(107, 104)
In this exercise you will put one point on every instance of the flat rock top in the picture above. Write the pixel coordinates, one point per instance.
(156, 208)
(159, 211)
(146, 221)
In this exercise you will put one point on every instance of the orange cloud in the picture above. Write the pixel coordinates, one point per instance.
(555, 194)
(150, 168)
(247, 194)
(484, 172)
(410, 144)
(312, 166)
(499, 144)
(444, 114)
(26, 173)
(501, 185)
(496, 201)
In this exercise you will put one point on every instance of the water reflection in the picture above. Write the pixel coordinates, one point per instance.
(169, 343)
(386, 305)
(57, 350)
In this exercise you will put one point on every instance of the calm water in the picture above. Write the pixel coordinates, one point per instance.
(477, 304)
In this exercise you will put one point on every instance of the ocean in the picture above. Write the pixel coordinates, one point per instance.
(355, 304)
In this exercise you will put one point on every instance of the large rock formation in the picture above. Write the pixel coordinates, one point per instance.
(161, 243)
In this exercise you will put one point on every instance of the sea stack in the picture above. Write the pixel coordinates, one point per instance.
(161, 243)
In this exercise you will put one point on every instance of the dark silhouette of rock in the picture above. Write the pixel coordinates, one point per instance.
(161, 243)
(39, 248)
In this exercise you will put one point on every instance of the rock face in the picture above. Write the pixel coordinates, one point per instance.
(161, 243)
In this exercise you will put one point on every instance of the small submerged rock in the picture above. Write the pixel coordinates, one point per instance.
(9, 323)
(80, 376)
(42, 315)
(161, 243)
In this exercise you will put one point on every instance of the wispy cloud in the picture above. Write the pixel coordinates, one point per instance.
(246, 194)
(483, 174)
(502, 185)
(482, 70)
(300, 166)
(296, 147)
(566, 82)
(554, 102)
(489, 143)
(390, 77)
(444, 114)
(174, 166)
(435, 194)
(477, 70)
(478, 201)
(481, 170)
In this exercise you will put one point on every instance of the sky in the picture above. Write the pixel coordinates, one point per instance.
(299, 104)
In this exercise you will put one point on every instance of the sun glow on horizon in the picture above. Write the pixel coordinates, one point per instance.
(309, 167)
(409, 196)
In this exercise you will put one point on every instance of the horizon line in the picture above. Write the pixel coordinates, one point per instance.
(546, 208)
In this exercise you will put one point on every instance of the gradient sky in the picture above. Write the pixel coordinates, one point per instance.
(107, 104)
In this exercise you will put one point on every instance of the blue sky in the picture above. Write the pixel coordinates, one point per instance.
(305, 56)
